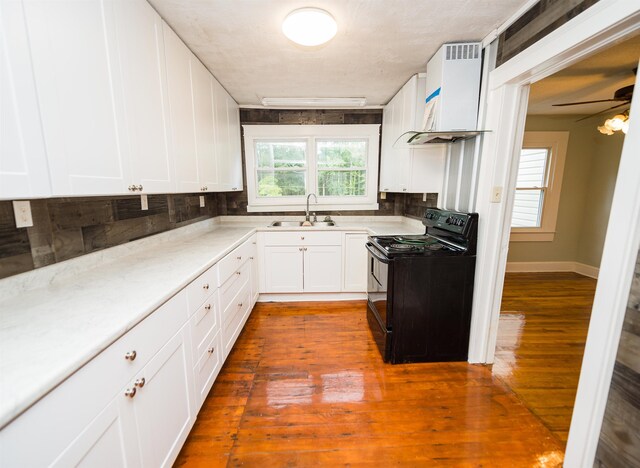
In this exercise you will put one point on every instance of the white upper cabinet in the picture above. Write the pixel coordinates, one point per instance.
(141, 53)
(405, 168)
(203, 107)
(179, 61)
(24, 171)
(228, 152)
(81, 104)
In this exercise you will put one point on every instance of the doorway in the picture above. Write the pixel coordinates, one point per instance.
(565, 181)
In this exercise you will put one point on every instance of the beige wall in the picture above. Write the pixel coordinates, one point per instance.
(590, 172)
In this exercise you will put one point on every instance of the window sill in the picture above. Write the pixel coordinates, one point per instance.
(313, 207)
(531, 236)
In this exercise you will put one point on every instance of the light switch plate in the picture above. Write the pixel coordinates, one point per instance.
(383, 195)
(144, 202)
(22, 212)
(424, 197)
(201, 201)
(496, 195)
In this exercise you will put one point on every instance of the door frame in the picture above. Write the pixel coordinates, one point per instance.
(604, 24)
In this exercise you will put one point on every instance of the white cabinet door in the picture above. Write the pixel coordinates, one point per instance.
(74, 54)
(141, 51)
(204, 126)
(24, 171)
(222, 137)
(323, 268)
(283, 269)
(355, 262)
(162, 411)
(102, 444)
(235, 151)
(178, 63)
(255, 279)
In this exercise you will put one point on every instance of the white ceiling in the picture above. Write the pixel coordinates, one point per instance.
(596, 77)
(379, 44)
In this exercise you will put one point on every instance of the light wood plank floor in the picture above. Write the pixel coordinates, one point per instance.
(306, 386)
(541, 338)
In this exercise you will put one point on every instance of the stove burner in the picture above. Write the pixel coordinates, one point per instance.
(436, 246)
(402, 246)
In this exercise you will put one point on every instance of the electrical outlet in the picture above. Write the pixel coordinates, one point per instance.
(22, 212)
(201, 201)
(144, 202)
(383, 195)
(424, 197)
(496, 195)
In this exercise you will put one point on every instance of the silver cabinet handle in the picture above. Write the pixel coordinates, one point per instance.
(239, 258)
(139, 382)
(250, 258)
(238, 273)
(211, 350)
(208, 307)
(205, 286)
(131, 355)
(130, 392)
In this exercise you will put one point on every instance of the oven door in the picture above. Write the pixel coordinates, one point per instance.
(378, 286)
(379, 293)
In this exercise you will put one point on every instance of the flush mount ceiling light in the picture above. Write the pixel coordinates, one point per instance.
(309, 26)
(615, 124)
(320, 103)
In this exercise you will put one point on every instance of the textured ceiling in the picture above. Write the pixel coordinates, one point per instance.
(596, 77)
(379, 44)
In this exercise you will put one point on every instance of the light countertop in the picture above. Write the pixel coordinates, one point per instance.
(55, 319)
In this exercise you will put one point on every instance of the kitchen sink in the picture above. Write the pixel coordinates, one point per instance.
(301, 223)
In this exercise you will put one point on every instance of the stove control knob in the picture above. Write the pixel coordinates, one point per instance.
(449, 220)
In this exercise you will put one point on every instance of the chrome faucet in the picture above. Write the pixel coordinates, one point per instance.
(306, 217)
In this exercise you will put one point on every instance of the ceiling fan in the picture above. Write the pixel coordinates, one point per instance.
(623, 95)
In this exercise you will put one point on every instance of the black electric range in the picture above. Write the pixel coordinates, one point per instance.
(420, 289)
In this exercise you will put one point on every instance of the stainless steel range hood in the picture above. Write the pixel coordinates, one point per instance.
(425, 138)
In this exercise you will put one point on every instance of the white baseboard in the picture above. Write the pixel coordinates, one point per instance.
(576, 267)
(309, 297)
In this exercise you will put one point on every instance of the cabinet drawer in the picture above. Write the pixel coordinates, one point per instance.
(229, 289)
(204, 324)
(201, 288)
(232, 262)
(303, 238)
(207, 368)
(234, 318)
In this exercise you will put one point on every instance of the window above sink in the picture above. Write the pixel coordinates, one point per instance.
(284, 163)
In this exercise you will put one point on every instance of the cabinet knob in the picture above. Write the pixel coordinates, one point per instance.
(131, 355)
(386, 189)
(239, 258)
(132, 188)
(205, 286)
(211, 350)
(139, 382)
(404, 189)
(300, 249)
(238, 273)
(250, 258)
(208, 307)
(130, 392)
(240, 304)
(301, 237)
(234, 188)
(139, 187)
(305, 249)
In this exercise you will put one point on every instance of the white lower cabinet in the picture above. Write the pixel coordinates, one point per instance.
(312, 264)
(355, 262)
(158, 406)
(135, 402)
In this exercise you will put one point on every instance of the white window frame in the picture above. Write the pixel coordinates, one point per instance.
(556, 143)
(312, 133)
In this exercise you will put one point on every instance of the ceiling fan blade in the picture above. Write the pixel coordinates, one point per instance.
(590, 102)
(602, 112)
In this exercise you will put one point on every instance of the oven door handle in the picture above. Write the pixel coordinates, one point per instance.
(375, 253)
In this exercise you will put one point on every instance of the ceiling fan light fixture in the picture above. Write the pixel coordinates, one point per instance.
(619, 122)
(309, 26)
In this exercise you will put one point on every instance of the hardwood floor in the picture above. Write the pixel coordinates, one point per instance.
(541, 338)
(306, 386)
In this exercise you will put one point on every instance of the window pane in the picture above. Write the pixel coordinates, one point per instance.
(342, 183)
(281, 183)
(342, 153)
(281, 154)
(532, 168)
(527, 208)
